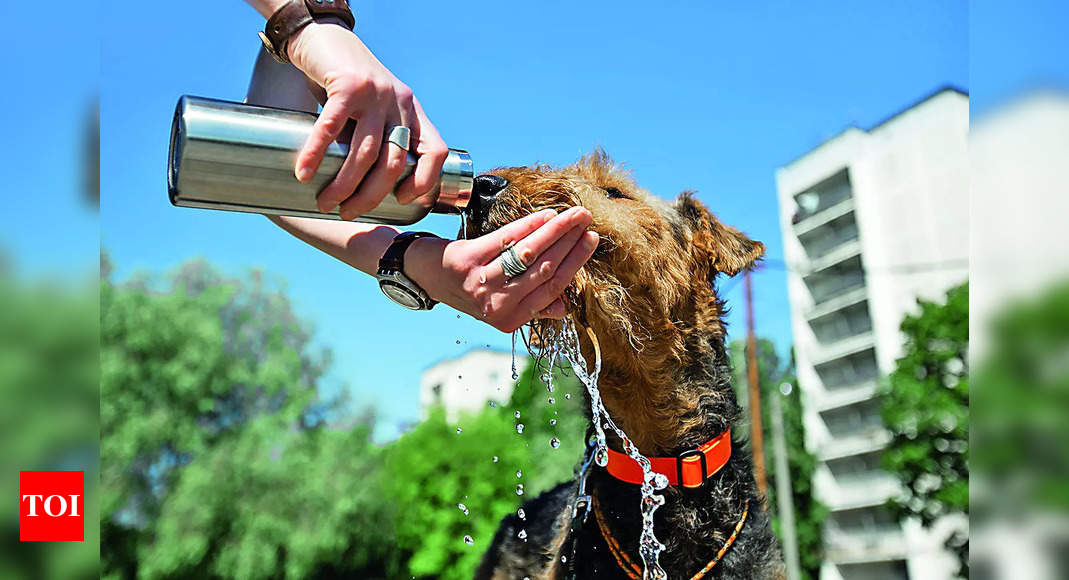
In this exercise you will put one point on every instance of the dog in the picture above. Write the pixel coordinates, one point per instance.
(649, 296)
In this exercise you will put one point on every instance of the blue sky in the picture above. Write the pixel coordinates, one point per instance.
(748, 88)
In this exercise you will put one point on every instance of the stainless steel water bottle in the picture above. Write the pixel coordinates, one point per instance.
(239, 157)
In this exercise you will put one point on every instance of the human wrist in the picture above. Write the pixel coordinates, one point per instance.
(294, 49)
(423, 264)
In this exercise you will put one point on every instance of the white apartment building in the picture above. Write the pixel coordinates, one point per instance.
(871, 219)
(468, 382)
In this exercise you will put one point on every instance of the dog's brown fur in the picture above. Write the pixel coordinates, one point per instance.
(649, 295)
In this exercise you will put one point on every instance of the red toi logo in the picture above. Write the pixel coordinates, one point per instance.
(51, 506)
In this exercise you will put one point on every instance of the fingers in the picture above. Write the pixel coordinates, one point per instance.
(555, 311)
(326, 129)
(365, 147)
(530, 247)
(377, 184)
(431, 151)
(550, 290)
(490, 246)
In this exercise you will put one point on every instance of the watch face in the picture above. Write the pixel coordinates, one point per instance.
(400, 294)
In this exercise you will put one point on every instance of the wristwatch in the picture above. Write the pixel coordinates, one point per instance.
(391, 274)
(294, 15)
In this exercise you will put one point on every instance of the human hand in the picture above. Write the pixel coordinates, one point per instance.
(467, 274)
(359, 87)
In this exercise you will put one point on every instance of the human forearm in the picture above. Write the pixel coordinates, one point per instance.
(357, 244)
(266, 7)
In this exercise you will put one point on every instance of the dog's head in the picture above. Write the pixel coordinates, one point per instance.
(648, 292)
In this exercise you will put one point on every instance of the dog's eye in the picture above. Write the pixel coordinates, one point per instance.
(613, 193)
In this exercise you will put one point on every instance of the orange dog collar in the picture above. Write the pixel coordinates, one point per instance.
(689, 469)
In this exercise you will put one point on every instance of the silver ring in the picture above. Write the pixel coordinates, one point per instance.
(511, 264)
(400, 136)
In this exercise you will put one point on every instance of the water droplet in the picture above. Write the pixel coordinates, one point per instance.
(458, 341)
(521, 513)
(519, 428)
(458, 317)
(519, 489)
(495, 459)
(515, 376)
(517, 414)
(460, 376)
(492, 404)
(601, 456)
(567, 395)
(462, 508)
(563, 558)
(522, 535)
(459, 430)
(519, 473)
(554, 443)
(552, 401)
(552, 421)
(469, 540)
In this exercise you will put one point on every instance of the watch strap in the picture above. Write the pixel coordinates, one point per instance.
(393, 259)
(294, 15)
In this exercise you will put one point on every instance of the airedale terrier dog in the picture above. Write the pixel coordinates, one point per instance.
(649, 296)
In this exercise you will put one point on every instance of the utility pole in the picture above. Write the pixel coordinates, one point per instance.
(784, 497)
(757, 443)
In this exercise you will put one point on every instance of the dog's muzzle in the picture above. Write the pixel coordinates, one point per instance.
(483, 195)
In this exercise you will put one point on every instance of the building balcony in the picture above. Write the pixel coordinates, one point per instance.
(865, 441)
(850, 297)
(842, 547)
(825, 353)
(858, 492)
(824, 216)
(828, 399)
(841, 253)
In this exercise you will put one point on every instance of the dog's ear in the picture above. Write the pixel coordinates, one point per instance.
(728, 250)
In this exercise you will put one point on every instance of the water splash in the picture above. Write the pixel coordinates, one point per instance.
(566, 343)
(515, 375)
(462, 508)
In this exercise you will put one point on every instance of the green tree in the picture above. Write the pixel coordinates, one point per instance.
(926, 408)
(48, 385)
(215, 456)
(436, 468)
(809, 513)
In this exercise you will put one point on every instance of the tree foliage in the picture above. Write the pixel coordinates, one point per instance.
(926, 408)
(801, 464)
(215, 460)
(435, 469)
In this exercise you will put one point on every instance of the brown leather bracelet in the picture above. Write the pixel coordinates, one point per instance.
(288, 20)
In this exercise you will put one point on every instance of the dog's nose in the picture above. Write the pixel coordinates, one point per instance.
(484, 191)
(488, 186)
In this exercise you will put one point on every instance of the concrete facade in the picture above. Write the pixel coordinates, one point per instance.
(872, 220)
(467, 383)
